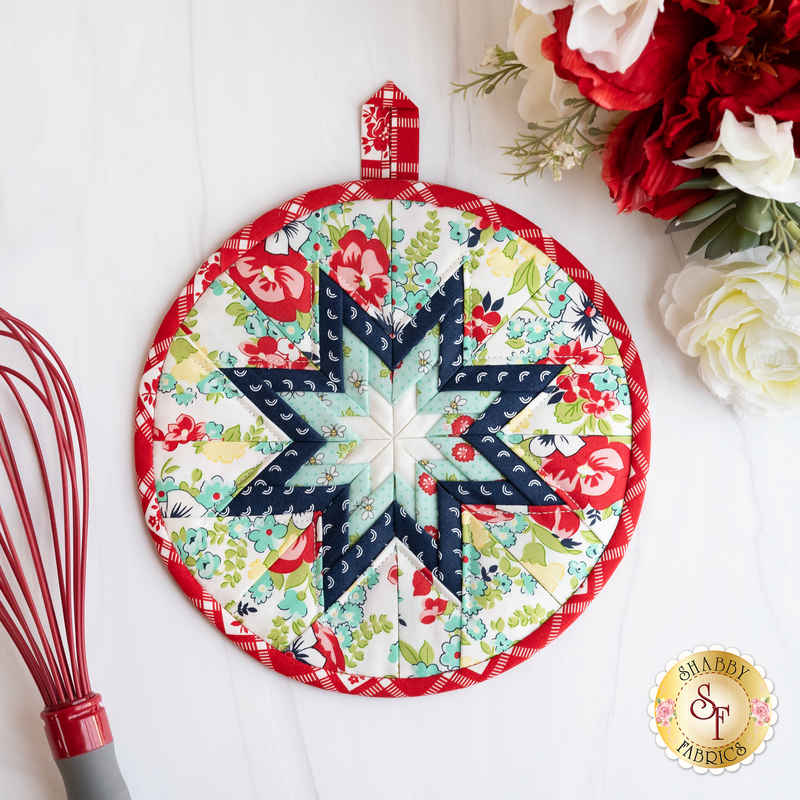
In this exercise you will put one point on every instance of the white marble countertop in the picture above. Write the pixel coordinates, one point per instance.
(134, 139)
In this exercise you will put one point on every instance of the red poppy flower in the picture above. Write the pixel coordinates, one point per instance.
(431, 609)
(461, 424)
(427, 483)
(602, 405)
(275, 353)
(182, 431)
(559, 520)
(279, 284)
(575, 385)
(491, 514)
(422, 582)
(432, 531)
(482, 323)
(575, 353)
(597, 475)
(299, 552)
(463, 452)
(361, 267)
(328, 645)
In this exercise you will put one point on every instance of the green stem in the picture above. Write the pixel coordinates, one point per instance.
(487, 82)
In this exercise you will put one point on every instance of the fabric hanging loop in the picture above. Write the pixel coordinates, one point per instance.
(389, 136)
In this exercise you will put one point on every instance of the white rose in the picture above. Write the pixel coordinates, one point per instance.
(735, 315)
(756, 157)
(611, 34)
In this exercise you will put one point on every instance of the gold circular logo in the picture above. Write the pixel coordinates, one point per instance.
(713, 709)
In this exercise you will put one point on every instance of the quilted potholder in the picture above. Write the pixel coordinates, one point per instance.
(392, 439)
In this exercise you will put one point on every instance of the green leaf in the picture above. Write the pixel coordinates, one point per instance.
(754, 214)
(516, 343)
(385, 233)
(277, 579)
(304, 320)
(604, 427)
(713, 230)
(409, 653)
(181, 349)
(197, 474)
(568, 412)
(521, 276)
(709, 207)
(296, 578)
(731, 239)
(703, 182)
(233, 434)
(610, 347)
(550, 541)
(426, 654)
(238, 311)
(486, 648)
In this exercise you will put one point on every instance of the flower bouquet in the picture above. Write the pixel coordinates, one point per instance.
(689, 105)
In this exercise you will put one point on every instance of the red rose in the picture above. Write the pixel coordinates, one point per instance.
(182, 431)
(461, 424)
(647, 80)
(597, 475)
(463, 452)
(482, 323)
(275, 353)
(300, 551)
(280, 284)
(432, 531)
(432, 608)
(361, 268)
(391, 576)
(427, 483)
(638, 168)
(750, 60)
(738, 55)
(422, 582)
(328, 645)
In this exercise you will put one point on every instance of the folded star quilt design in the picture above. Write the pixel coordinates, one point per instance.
(392, 439)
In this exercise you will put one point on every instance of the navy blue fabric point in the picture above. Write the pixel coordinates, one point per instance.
(259, 497)
(448, 297)
(450, 541)
(527, 378)
(331, 331)
(533, 489)
(357, 558)
(421, 545)
(250, 383)
(451, 341)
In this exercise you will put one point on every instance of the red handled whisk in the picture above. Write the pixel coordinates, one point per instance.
(43, 564)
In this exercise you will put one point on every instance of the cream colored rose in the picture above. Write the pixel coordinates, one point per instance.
(611, 34)
(756, 157)
(735, 315)
(544, 95)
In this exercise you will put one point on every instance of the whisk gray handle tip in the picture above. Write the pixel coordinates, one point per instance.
(94, 776)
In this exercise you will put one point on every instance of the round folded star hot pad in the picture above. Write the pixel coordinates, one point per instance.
(392, 438)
